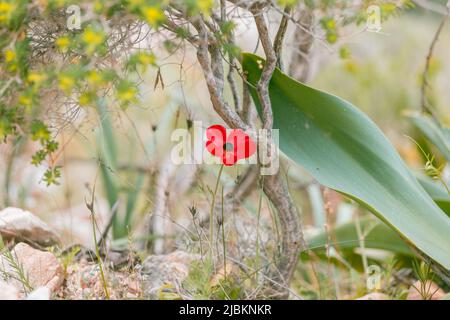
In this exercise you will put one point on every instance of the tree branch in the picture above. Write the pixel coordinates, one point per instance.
(278, 42)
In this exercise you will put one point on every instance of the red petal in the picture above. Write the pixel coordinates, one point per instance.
(216, 135)
(244, 147)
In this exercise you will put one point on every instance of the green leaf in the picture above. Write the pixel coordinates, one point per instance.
(344, 150)
(377, 235)
(436, 192)
(433, 131)
(107, 150)
(132, 201)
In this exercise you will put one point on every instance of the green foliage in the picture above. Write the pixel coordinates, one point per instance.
(13, 269)
(65, 63)
(113, 186)
(351, 12)
(364, 166)
(376, 235)
(434, 131)
(438, 192)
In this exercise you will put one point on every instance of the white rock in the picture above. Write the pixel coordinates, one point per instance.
(19, 224)
(41, 293)
(8, 292)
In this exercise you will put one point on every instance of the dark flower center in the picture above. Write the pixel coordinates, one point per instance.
(228, 146)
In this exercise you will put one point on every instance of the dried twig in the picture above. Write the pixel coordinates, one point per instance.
(423, 94)
(278, 42)
(214, 76)
(262, 87)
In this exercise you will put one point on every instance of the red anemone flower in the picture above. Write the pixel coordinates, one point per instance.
(237, 145)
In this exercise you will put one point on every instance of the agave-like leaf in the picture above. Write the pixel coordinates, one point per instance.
(344, 150)
(433, 131)
(377, 235)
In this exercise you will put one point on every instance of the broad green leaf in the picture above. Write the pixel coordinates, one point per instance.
(344, 150)
(433, 131)
(377, 235)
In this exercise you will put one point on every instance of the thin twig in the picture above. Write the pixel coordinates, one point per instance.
(278, 42)
(423, 90)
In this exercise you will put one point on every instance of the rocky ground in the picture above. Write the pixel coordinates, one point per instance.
(33, 266)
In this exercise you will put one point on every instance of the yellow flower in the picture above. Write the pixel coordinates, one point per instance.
(146, 58)
(10, 59)
(63, 43)
(66, 83)
(25, 101)
(330, 24)
(92, 39)
(6, 10)
(94, 78)
(37, 78)
(85, 99)
(127, 95)
(205, 5)
(10, 55)
(154, 16)
(98, 6)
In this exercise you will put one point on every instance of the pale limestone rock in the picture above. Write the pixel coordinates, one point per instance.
(171, 269)
(9, 292)
(41, 268)
(20, 225)
(41, 293)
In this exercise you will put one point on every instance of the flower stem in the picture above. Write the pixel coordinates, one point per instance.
(223, 243)
(211, 213)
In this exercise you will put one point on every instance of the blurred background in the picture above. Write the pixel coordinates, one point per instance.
(122, 152)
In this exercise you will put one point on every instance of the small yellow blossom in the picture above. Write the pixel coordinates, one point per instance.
(85, 99)
(36, 78)
(63, 43)
(92, 39)
(66, 83)
(330, 24)
(6, 10)
(154, 16)
(10, 55)
(98, 6)
(205, 6)
(127, 95)
(94, 78)
(25, 100)
(10, 59)
(146, 58)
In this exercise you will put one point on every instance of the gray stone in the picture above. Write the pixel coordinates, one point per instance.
(20, 225)
(159, 271)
